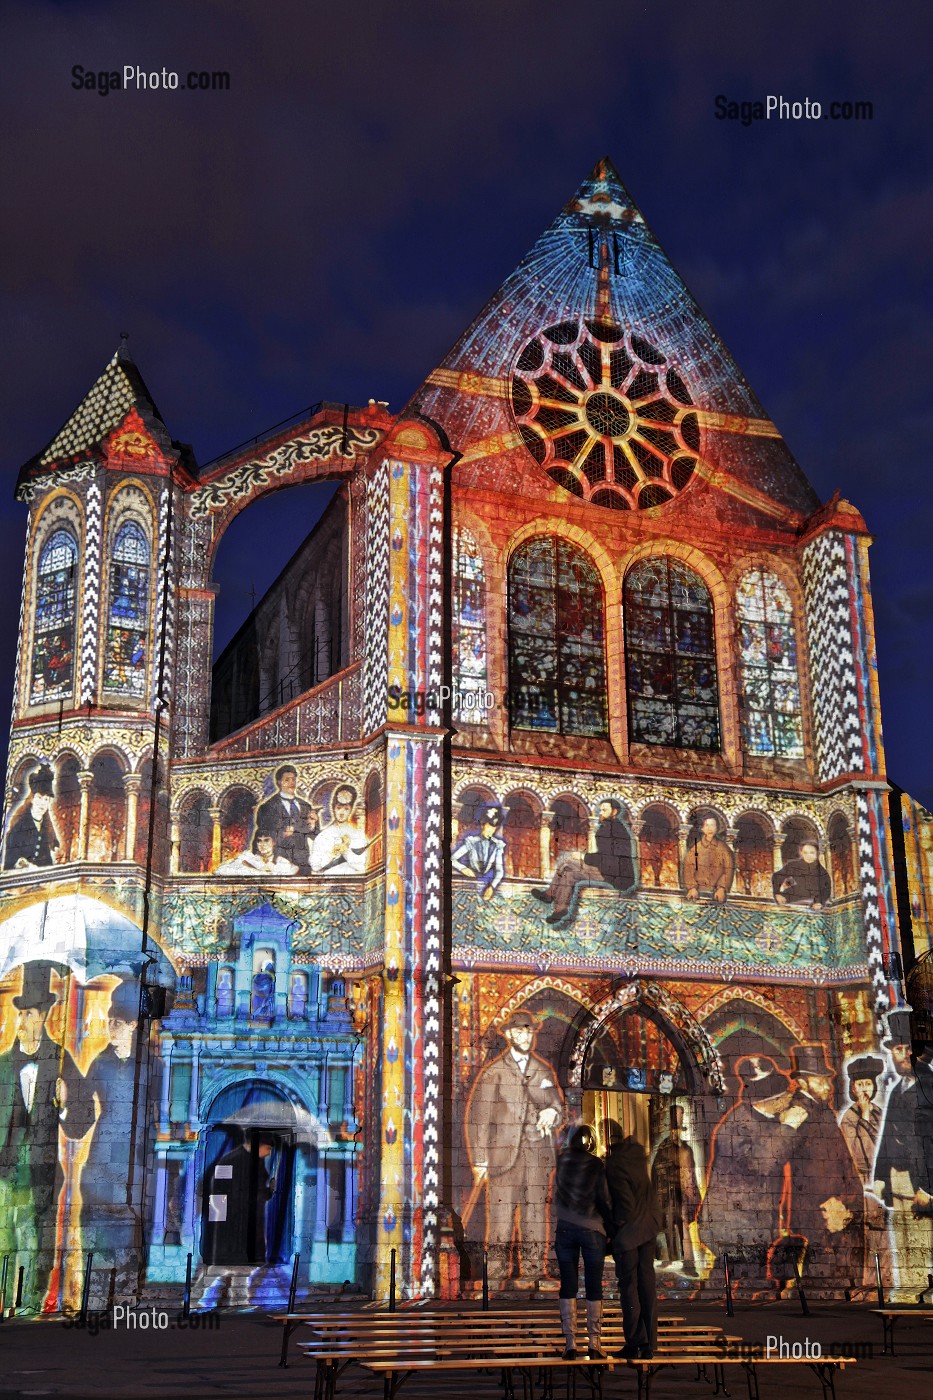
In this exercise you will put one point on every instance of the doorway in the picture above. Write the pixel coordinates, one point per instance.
(247, 1195)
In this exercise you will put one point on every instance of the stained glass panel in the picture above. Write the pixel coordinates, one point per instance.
(128, 614)
(772, 721)
(54, 635)
(557, 668)
(469, 630)
(673, 689)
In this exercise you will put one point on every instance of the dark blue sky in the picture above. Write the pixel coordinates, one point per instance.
(326, 229)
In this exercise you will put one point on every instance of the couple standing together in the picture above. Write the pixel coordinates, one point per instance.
(604, 1206)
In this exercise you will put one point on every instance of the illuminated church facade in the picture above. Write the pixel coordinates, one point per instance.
(545, 784)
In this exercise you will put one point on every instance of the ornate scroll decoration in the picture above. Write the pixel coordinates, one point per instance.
(320, 445)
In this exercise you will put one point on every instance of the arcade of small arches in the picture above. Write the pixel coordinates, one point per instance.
(538, 830)
(676, 609)
(102, 808)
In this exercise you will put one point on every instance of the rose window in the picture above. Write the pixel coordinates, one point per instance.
(606, 414)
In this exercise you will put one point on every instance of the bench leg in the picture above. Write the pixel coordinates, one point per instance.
(825, 1371)
(751, 1376)
(719, 1374)
(888, 1325)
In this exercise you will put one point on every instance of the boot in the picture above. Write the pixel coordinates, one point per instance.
(568, 1309)
(594, 1327)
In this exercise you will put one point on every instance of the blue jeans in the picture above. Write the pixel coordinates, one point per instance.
(571, 1241)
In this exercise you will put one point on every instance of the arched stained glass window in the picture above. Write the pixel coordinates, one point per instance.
(128, 614)
(770, 687)
(557, 665)
(54, 634)
(670, 651)
(469, 630)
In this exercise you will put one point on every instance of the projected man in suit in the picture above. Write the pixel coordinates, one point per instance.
(289, 820)
(514, 1112)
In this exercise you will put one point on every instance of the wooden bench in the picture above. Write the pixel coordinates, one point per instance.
(398, 1345)
(419, 1318)
(889, 1317)
(824, 1369)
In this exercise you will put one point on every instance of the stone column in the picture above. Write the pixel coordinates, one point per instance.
(132, 782)
(214, 814)
(193, 1092)
(85, 782)
(593, 823)
(175, 837)
(165, 1098)
(544, 834)
(683, 834)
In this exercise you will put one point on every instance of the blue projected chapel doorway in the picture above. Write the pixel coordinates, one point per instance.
(248, 1208)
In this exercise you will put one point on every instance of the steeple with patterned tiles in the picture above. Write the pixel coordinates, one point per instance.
(116, 423)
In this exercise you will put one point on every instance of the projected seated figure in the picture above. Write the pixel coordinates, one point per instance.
(803, 880)
(610, 866)
(260, 859)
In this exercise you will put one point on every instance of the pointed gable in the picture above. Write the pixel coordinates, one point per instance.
(117, 420)
(593, 370)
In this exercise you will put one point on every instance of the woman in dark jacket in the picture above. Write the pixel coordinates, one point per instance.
(636, 1222)
(583, 1207)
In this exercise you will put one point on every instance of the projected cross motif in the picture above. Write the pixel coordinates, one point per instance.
(679, 934)
(606, 414)
(587, 926)
(769, 940)
(508, 925)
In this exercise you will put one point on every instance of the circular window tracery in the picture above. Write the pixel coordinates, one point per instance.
(606, 415)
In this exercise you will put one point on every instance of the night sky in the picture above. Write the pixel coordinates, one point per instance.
(327, 227)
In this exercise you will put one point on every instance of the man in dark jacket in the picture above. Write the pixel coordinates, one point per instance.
(611, 865)
(288, 819)
(902, 1168)
(40, 1093)
(827, 1203)
(803, 880)
(636, 1221)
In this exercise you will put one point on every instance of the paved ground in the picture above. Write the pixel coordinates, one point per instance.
(238, 1358)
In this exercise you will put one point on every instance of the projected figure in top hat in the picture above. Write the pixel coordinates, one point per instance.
(901, 1175)
(111, 1178)
(827, 1203)
(513, 1115)
(741, 1210)
(41, 1091)
(481, 855)
(861, 1121)
(31, 839)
